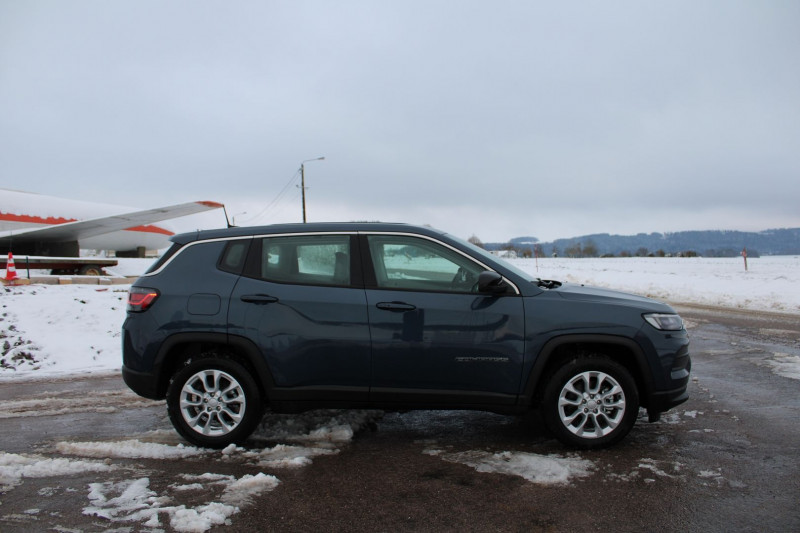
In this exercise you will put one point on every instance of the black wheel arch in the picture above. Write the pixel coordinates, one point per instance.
(178, 348)
(559, 350)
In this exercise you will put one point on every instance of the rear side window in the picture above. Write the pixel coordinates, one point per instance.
(234, 256)
(306, 259)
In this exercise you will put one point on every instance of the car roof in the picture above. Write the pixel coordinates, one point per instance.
(311, 227)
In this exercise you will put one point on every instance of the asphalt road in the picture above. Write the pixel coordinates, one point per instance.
(727, 460)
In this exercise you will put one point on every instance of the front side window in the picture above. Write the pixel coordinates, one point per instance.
(306, 259)
(411, 263)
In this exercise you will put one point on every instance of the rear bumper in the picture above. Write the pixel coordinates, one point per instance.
(142, 383)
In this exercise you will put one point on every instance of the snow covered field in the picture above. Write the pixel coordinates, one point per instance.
(50, 331)
(771, 283)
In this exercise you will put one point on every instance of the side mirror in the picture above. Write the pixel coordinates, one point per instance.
(491, 282)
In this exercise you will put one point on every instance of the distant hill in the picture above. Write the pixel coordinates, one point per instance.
(713, 243)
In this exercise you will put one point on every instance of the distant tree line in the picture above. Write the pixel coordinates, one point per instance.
(683, 244)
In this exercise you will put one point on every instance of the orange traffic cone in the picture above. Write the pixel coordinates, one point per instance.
(11, 270)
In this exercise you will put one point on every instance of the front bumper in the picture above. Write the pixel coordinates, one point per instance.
(665, 400)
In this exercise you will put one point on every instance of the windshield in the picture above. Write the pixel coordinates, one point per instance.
(484, 254)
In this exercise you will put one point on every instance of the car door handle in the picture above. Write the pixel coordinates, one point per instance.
(395, 306)
(260, 299)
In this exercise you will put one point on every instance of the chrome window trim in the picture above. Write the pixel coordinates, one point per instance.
(350, 232)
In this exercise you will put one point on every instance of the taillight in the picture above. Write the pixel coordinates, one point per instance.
(141, 298)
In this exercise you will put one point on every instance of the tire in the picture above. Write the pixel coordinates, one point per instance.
(213, 401)
(591, 402)
(91, 270)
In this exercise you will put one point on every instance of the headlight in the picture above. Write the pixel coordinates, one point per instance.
(664, 321)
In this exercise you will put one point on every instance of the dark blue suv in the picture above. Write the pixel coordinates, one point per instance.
(391, 316)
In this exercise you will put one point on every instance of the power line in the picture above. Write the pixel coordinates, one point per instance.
(278, 198)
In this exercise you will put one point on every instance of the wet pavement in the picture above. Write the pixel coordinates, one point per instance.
(727, 460)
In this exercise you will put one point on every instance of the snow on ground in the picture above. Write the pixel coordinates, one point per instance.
(48, 330)
(784, 365)
(133, 500)
(191, 503)
(541, 469)
(14, 467)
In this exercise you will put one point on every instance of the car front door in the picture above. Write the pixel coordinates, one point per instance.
(302, 302)
(435, 338)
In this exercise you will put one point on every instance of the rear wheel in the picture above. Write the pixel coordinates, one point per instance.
(213, 402)
(591, 402)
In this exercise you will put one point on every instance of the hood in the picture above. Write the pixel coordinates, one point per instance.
(599, 295)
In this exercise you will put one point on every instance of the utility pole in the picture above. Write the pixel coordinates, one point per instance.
(303, 182)
(303, 188)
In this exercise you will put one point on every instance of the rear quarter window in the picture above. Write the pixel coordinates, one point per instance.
(233, 256)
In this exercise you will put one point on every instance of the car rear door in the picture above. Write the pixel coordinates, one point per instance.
(435, 339)
(302, 302)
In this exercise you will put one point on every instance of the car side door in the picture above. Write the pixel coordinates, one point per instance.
(301, 301)
(435, 338)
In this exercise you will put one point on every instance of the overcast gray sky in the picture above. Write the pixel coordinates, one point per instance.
(498, 119)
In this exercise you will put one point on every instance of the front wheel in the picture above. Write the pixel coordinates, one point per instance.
(591, 402)
(213, 401)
